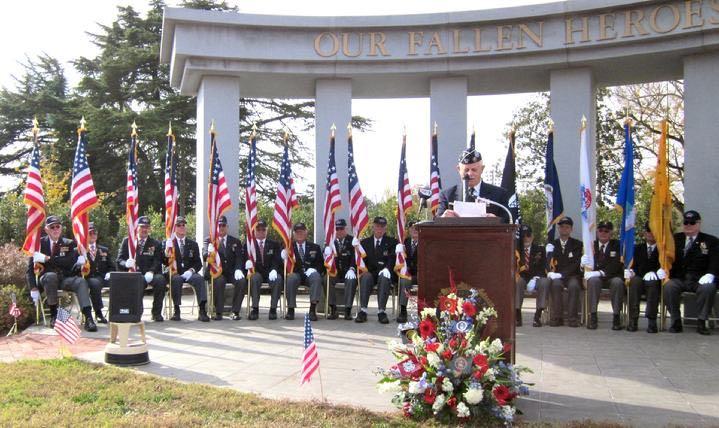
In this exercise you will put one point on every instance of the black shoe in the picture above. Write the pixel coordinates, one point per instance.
(537, 322)
(203, 316)
(676, 327)
(254, 314)
(90, 325)
(518, 318)
(333, 313)
(176, 316)
(100, 319)
(652, 326)
(573, 323)
(158, 318)
(555, 322)
(273, 314)
(348, 314)
(236, 316)
(632, 326)
(593, 321)
(313, 316)
(616, 323)
(290, 315)
(402, 318)
(217, 317)
(361, 316)
(702, 328)
(382, 318)
(52, 322)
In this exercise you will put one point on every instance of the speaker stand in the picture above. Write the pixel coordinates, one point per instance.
(123, 352)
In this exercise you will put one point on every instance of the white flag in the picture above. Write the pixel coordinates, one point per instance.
(586, 195)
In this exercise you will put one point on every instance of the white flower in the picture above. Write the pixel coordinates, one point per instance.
(489, 375)
(438, 403)
(427, 312)
(495, 347)
(447, 385)
(474, 395)
(394, 345)
(508, 413)
(393, 386)
(415, 388)
(433, 359)
(462, 410)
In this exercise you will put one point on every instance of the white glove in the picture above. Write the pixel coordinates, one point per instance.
(328, 251)
(107, 276)
(283, 254)
(148, 277)
(350, 274)
(169, 244)
(239, 275)
(592, 274)
(80, 261)
(210, 248)
(585, 261)
(532, 284)
(385, 273)
(650, 276)
(249, 265)
(399, 248)
(130, 263)
(554, 275)
(35, 295)
(310, 271)
(549, 248)
(186, 276)
(628, 274)
(272, 275)
(708, 278)
(200, 272)
(355, 242)
(661, 274)
(39, 257)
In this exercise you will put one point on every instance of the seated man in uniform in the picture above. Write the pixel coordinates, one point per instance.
(59, 269)
(411, 244)
(531, 274)
(267, 267)
(566, 253)
(696, 265)
(148, 262)
(380, 259)
(308, 270)
(188, 265)
(346, 270)
(607, 271)
(470, 169)
(233, 257)
(101, 264)
(644, 279)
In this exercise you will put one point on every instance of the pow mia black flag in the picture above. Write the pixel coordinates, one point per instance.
(509, 180)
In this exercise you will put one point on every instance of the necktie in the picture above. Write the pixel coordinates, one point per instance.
(603, 247)
(301, 251)
(471, 194)
(55, 248)
(181, 244)
(262, 252)
(377, 246)
(688, 246)
(414, 247)
(93, 251)
(140, 246)
(526, 256)
(222, 245)
(650, 251)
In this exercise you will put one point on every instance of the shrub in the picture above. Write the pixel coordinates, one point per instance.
(27, 316)
(13, 264)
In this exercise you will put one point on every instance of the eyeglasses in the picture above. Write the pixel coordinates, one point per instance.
(54, 226)
(180, 225)
(223, 225)
(603, 230)
(690, 222)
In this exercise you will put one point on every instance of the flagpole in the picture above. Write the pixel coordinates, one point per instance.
(322, 389)
(284, 286)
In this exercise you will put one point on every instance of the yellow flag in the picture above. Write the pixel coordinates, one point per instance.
(660, 211)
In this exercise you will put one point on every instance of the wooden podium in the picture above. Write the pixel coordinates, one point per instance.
(480, 251)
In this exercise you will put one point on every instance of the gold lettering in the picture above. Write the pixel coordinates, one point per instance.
(376, 41)
(413, 42)
(346, 45)
(654, 24)
(335, 45)
(457, 48)
(538, 39)
(690, 13)
(570, 30)
(436, 42)
(503, 37)
(630, 22)
(715, 7)
(606, 22)
(478, 41)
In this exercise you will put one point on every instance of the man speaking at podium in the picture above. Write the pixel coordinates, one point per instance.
(470, 169)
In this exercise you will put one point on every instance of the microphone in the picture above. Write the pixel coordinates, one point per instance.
(465, 186)
(491, 202)
(424, 193)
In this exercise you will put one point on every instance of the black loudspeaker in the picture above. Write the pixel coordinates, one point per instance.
(126, 289)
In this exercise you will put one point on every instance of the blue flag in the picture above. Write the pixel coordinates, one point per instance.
(625, 200)
(552, 191)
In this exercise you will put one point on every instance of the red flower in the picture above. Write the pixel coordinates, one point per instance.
(447, 354)
(507, 348)
(447, 304)
(423, 361)
(431, 347)
(426, 328)
(464, 343)
(429, 396)
(482, 366)
(453, 343)
(452, 402)
(469, 309)
(503, 395)
(405, 409)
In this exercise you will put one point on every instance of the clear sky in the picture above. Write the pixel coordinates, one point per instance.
(59, 29)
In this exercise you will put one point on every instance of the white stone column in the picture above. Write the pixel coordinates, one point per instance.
(218, 99)
(701, 135)
(448, 108)
(573, 95)
(333, 105)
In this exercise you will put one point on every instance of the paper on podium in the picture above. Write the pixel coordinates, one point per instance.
(470, 209)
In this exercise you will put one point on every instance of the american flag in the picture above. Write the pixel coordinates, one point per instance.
(218, 201)
(132, 204)
(66, 326)
(333, 202)
(14, 311)
(251, 202)
(82, 196)
(404, 203)
(171, 196)
(358, 209)
(34, 198)
(435, 181)
(285, 201)
(310, 359)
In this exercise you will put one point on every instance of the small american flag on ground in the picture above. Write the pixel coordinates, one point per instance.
(14, 310)
(310, 359)
(66, 326)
